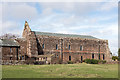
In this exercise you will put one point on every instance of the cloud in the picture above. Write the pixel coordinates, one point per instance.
(60, 1)
(19, 11)
(13, 13)
(79, 8)
(0, 11)
(88, 18)
(73, 22)
(10, 27)
(110, 33)
(68, 7)
(0, 18)
(71, 14)
(108, 6)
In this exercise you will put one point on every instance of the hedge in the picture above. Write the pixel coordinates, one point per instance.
(94, 61)
(70, 62)
(91, 61)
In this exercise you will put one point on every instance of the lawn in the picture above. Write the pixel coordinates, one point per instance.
(61, 71)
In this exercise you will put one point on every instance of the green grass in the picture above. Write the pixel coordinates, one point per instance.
(61, 71)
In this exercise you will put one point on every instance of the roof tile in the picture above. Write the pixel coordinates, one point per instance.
(65, 35)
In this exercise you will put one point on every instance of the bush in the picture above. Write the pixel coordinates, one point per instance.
(114, 58)
(70, 62)
(91, 61)
(118, 59)
(83, 61)
(39, 62)
(102, 61)
(30, 61)
(60, 61)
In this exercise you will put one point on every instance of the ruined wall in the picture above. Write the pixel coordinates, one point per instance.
(9, 55)
(32, 50)
(64, 47)
(71, 47)
(23, 47)
(89, 47)
(48, 45)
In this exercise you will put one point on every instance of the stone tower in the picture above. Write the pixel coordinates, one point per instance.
(32, 50)
(26, 30)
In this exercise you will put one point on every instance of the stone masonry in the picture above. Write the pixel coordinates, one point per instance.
(55, 48)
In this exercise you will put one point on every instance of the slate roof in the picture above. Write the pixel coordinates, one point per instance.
(8, 42)
(65, 35)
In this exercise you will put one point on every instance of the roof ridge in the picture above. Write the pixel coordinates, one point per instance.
(6, 39)
(62, 33)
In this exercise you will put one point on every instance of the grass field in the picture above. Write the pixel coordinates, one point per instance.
(61, 71)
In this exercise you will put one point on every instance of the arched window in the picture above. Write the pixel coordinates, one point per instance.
(99, 56)
(92, 56)
(43, 46)
(69, 47)
(69, 58)
(10, 50)
(56, 46)
(81, 48)
(103, 56)
(81, 59)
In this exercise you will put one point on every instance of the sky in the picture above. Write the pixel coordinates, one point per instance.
(98, 19)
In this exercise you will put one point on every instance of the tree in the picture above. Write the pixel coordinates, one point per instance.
(9, 36)
(119, 54)
(114, 58)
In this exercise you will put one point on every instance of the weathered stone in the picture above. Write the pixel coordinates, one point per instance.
(55, 48)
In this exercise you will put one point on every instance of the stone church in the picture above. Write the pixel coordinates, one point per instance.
(53, 48)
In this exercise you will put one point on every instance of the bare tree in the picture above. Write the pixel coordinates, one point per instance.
(9, 36)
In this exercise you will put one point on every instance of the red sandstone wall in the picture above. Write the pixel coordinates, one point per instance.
(6, 53)
(89, 47)
(23, 46)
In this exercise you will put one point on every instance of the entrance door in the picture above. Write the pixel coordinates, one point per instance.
(69, 58)
(81, 59)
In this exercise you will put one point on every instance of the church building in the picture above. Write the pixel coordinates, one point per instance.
(53, 48)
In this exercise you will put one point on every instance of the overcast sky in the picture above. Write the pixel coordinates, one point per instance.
(99, 19)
